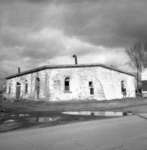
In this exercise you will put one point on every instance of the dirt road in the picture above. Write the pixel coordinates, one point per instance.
(127, 133)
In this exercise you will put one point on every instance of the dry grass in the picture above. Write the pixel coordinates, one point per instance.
(37, 109)
(29, 106)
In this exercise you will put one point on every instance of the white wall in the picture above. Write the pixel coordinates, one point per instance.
(107, 84)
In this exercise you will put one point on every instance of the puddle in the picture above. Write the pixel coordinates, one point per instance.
(96, 113)
(48, 119)
(10, 122)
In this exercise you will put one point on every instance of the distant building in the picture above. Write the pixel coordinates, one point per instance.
(144, 83)
(71, 82)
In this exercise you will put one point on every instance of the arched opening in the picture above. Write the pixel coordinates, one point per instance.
(18, 90)
(37, 87)
(67, 84)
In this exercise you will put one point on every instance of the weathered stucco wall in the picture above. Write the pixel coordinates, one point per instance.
(30, 78)
(106, 84)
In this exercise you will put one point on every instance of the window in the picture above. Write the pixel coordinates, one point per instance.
(67, 84)
(91, 91)
(91, 88)
(123, 88)
(122, 85)
(26, 87)
(90, 84)
(57, 84)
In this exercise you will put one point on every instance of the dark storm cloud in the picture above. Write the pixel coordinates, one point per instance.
(112, 23)
(32, 31)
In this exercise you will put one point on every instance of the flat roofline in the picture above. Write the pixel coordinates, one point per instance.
(67, 66)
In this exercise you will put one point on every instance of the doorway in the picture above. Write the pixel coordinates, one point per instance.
(37, 84)
(18, 90)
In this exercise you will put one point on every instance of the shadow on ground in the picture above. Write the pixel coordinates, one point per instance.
(11, 122)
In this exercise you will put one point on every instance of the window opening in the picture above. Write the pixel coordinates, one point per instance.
(123, 88)
(26, 87)
(67, 84)
(91, 88)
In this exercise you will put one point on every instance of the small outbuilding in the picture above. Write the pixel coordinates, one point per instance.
(144, 83)
(71, 82)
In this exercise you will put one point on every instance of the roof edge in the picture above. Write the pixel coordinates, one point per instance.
(66, 66)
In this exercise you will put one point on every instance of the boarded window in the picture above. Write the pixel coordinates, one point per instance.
(57, 84)
(67, 84)
(91, 88)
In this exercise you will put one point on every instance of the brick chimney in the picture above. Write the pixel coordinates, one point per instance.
(76, 60)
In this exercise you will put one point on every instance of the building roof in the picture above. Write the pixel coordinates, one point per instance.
(67, 66)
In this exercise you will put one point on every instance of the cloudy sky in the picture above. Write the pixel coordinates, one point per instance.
(40, 32)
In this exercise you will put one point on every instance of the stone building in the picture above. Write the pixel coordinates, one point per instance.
(71, 82)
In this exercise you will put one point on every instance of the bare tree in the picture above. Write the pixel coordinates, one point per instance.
(136, 54)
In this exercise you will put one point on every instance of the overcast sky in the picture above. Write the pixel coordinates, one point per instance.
(40, 32)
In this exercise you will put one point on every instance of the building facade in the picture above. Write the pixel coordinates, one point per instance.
(71, 82)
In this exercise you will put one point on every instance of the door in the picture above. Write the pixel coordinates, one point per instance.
(18, 90)
(37, 84)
